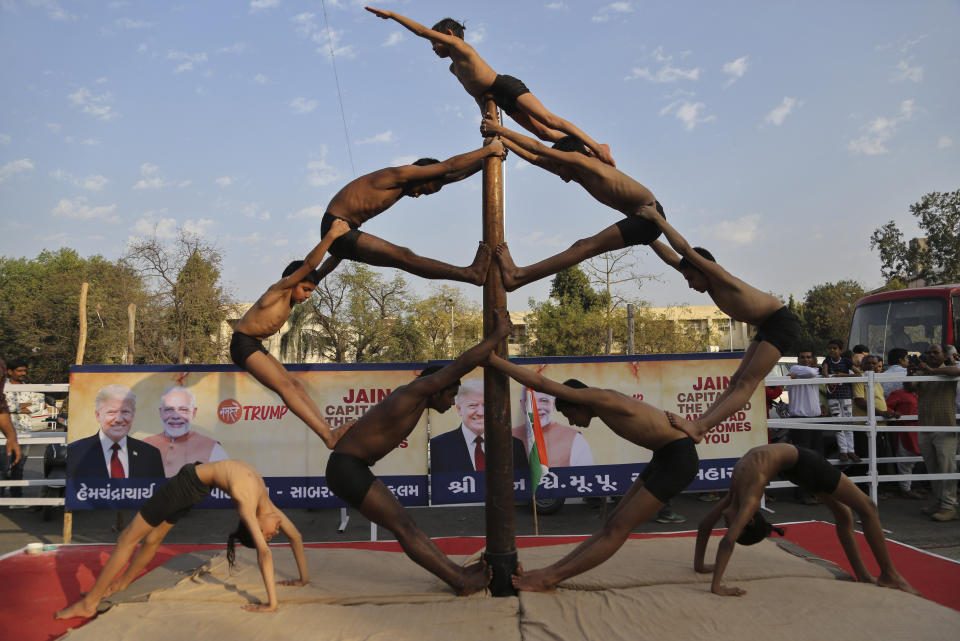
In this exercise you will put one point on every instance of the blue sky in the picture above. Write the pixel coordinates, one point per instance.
(779, 135)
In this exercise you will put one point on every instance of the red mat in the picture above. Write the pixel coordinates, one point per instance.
(34, 587)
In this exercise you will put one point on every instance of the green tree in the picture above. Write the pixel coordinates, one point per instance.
(39, 310)
(827, 310)
(660, 333)
(574, 325)
(937, 259)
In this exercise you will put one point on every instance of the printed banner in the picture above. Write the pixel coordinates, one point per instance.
(173, 415)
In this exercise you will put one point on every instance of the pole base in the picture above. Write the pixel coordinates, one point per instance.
(503, 565)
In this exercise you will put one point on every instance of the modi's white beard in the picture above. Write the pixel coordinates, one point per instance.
(176, 432)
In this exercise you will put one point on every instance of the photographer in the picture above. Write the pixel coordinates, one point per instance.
(935, 407)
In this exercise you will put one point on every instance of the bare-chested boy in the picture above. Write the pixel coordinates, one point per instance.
(568, 160)
(777, 327)
(479, 79)
(379, 431)
(740, 510)
(372, 194)
(673, 466)
(260, 521)
(267, 316)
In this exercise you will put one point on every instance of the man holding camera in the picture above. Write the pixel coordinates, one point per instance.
(935, 407)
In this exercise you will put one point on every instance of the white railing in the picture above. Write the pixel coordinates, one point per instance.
(868, 424)
(28, 439)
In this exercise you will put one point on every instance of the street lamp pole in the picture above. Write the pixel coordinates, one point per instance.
(452, 348)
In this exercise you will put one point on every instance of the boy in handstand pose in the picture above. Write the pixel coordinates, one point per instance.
(260, 521)
(267, 316)
(673, 466)
(478, 78)
(740, 510)
(383, 428)
(372, 194)
(569, 160)
(777, 327)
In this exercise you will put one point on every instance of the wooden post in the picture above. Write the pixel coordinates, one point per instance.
(501, 552)
(81, 347)
(630, 344)
(131, 323)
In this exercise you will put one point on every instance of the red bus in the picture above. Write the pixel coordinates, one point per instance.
(907, 318)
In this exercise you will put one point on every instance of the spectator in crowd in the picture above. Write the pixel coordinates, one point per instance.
(903, 401)
(462, 450)
(11, 451)
(27, 413)
(110, 453)
(884, 445)
(178, 444)
(565, 445)
(840, 396)
(804, 402)
(859, 351)
(936, 406)
(897, 359)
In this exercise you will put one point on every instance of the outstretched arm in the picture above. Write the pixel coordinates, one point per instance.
(296, 544)
(747, 509)
(467, 361)
(591, 396)
(264, 559)
(417, 28)
(312, 261)
(680, 244)
(13, 446)
(666, 254)
(703, 534)
(527, 148)
(450, 170)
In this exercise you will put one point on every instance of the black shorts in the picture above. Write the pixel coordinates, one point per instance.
(672, 468)
(639, 231)
(813, 473)
(175, 498)
(506, 90)
(349, 478)
(781, 329)
(346, 245)
(242, 345)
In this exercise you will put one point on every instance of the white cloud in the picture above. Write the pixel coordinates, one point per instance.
(197, 227)
(605, 13)
(878, 132)
(316, 211)
(736, 69)
(779, 113)
(189, 59)
(666, 73)
(53, 9)
(92, 142)
(252, 210)
(15, 167)
(689, 113)
(260, 79)
(327, 40)
(945, 142)
(235, 49)
(400, 161)
(93, 182)
(129, 23)
(262, 5)
(151, 178)
(907, 72)
(224, 181)
(96, 106)
(5, 139)
(386, 136)
(54, 127)
(740, 231)
(556, 6)
(392, 39)
(151, 225)
(301, 105)
(319, 172)
(476, 35)
(78, 209)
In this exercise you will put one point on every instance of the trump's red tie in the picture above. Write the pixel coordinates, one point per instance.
(116, 467)
(479, 460)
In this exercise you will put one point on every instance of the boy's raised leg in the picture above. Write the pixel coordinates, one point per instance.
(376, 251)
(513, 277)
(271, 373)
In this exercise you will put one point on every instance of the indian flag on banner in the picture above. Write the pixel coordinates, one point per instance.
(536, 446)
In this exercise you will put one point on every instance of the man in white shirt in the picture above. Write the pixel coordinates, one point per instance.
(897, 364)
(804, 402)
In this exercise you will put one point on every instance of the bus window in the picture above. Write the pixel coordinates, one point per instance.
(908, 323)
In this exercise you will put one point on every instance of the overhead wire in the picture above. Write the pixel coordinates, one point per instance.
(336, 77)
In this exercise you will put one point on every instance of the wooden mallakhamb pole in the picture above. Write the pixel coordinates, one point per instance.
(501, 552)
